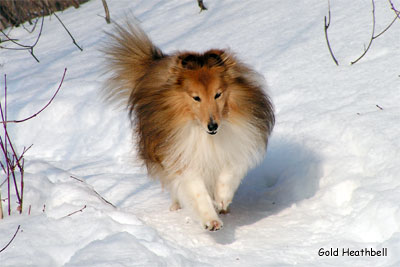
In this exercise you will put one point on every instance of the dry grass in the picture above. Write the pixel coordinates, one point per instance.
(16, 12)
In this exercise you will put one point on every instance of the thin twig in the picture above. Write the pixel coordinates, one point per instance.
(4, 169)
(91, 188)
(7, 40)
(106, 11)
(1, 207)
(22, 154)
(373, 36)
(80, 180)
(12, 239)
(12, 160)
(73, 40)
(396, 11)
(13, 48)
(22, 171)
(48, 103)
(4, 118)
(327, 23)
(72, 213)
(33, 28)
(4, 146)
(25, 47)
(390, 25)
(12, 164)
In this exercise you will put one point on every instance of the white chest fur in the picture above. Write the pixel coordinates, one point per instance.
(237, 145)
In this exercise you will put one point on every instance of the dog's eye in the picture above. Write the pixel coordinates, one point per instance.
(197, 98)
(217, 95)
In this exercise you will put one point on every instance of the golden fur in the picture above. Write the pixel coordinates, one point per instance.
(185, 108)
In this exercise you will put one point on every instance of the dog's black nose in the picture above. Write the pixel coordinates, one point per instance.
(212, 126)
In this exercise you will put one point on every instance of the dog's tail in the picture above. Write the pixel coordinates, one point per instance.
(128, 55)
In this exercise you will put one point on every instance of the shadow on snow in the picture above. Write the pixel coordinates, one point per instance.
(289, 174)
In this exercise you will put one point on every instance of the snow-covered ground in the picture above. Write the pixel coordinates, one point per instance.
(331, 178)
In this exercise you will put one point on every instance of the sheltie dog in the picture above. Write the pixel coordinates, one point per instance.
(201, 120)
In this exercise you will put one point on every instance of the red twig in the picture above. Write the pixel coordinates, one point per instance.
(4, 146)
(48, 103)
(396, 11)
(72, 213)
(12, 160)
(12, 239)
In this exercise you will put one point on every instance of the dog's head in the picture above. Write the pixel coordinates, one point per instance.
(202, 78)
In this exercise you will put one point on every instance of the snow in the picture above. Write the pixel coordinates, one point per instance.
(330, 178)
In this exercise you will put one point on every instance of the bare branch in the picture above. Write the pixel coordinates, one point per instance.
(105, 200)
(72, 213)
(14, 162)
(390, 25)
(3, 41)
(327, 23)
(12, 239)
(13, 48)
(76, 178)
(396, 11)
(24, 47)
(48, 103)
(22, 154)
(373, 36)
(4, 146)
(73, 40)
(33, 28)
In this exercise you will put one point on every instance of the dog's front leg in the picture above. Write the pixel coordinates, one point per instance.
(192, 193)
(226, 185)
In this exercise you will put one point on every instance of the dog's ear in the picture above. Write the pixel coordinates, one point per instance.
(190, 61)
(184, 61)
(218, 58)
(214, 58)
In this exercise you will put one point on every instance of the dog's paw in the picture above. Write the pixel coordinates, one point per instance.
(174, 206)
(224, 211)
(213, 225)
(222, 206)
